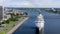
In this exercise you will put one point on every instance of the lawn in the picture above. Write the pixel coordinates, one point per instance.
(9, 26)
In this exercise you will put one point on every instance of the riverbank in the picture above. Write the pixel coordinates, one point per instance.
(19, 24)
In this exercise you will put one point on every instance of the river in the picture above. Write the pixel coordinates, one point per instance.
(52, 23)
(51, 26)
(28, 27)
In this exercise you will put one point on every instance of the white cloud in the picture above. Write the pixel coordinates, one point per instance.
(19, 4)
(1, 2)
(33, 3)
(47, 3)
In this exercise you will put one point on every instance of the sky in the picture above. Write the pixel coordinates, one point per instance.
(30, 3)
(1, 2)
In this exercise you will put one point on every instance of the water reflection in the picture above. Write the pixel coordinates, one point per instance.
(37, 30)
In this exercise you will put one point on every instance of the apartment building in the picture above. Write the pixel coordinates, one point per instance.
(1, 13)
(17, 11)
(6, 15)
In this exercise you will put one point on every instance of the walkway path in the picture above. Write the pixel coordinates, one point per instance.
(19, 24)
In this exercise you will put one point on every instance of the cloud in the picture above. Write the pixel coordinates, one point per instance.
(1, 2)
(32, 3)
(47, 3)
(19, 4)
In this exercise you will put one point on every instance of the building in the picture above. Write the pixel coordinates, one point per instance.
(17, 11)
(6, 15)
(1, 13)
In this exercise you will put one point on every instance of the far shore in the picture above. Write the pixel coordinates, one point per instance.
(19, 24)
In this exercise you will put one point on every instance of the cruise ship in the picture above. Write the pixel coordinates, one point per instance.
(40, 22)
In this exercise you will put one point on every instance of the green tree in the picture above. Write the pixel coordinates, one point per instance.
(4, 21)
(25, 13)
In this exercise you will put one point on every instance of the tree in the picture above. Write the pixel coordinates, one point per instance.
(25, 13)
(12, 15)
(7, 21)
(0, 23)
(4, 21)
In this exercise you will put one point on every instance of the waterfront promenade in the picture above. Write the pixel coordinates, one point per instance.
(19, 24)
(51, 25)
(28, 27)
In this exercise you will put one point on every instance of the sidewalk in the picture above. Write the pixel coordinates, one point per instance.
(19, 24)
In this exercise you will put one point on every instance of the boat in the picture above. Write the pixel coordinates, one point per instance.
(40, 22)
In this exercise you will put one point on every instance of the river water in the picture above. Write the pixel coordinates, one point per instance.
(52, 23)
(28, 27)
(51, 26)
